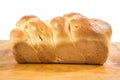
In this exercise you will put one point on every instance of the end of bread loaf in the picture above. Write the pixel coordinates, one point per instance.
(72, 38)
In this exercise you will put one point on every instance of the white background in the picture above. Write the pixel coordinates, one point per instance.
(12, 10)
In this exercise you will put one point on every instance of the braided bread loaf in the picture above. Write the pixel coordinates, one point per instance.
(72, 38)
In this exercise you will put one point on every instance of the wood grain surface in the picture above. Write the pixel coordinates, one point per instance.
(10, 70)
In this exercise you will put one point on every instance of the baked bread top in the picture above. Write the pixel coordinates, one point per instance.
(72, 25)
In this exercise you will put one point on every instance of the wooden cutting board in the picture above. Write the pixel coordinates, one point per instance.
(10, 70)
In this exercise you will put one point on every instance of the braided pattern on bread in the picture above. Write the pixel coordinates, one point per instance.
(72, 38)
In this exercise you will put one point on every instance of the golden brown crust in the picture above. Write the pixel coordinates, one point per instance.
(81, 27)
(72, 16)
(72, 38)
(17, 35)
(105, 27)
(26, 19)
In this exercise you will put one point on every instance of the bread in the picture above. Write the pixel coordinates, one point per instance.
(71, 38)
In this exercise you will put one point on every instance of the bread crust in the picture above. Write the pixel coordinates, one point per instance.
(71, 38)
